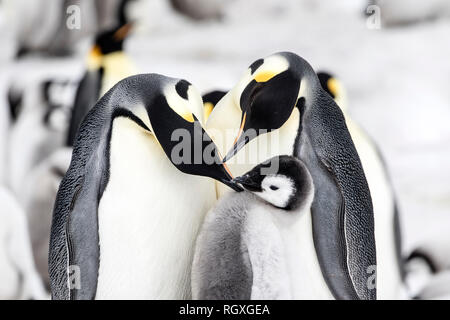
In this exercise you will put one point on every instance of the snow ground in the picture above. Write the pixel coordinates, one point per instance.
(397, 80)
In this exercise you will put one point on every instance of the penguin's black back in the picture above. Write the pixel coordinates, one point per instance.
(87, 94)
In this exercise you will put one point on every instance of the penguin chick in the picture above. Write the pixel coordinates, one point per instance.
(246, 247)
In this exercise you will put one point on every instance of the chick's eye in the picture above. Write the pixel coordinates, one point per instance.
(274, 187)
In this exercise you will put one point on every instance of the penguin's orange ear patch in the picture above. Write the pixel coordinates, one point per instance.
(207, 109)
(333, 86)
(123, 31)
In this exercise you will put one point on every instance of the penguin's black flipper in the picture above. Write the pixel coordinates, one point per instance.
(342, 212)
(74, 242)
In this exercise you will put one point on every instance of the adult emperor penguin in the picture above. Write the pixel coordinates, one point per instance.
(279, 107)
(390, 266)
(107, 64)
(248, 245)
(125, 216)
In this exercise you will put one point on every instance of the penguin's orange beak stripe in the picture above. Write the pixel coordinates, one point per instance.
(123, 31)
(227, 169)
(241, 128)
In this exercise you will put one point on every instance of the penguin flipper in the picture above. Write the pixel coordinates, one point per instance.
(74, 241)
(342, 213)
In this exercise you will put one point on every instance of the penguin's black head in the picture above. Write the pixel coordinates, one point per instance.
(283, 181)
(210, 100)
(111, 40)
(328, 83)
(175, 118)
(266, 95)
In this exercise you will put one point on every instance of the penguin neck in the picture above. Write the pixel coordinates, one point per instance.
(117, 66)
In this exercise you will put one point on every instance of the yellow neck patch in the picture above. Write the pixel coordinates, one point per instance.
(333, 86)
(94, 59)
(207, 109)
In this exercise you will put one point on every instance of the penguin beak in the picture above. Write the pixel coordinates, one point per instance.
(247, 182)
(123, 31)
(230, 182)
(243, 137)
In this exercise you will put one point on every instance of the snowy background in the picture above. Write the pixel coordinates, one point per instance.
(397, 79)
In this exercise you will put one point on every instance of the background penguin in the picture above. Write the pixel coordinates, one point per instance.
(44, 26)
(107, 64)
(404, 12)
(251, 243)
(390, 268)
(124, 215)
(39, 194)
(210, 100)
(40, 128)
(199, 9)
(18, 276)
(279, 107)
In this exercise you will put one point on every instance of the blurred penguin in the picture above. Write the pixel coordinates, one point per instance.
(210, 100)
(44, 25)
(403, 12)
(199, 9)
(18, 276)
(40, 128)
(106, 65)
(39, 194)
(390, 269)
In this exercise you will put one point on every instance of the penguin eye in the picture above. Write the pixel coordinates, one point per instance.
(272, 187)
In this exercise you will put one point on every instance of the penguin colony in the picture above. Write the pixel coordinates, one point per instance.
(296, 205)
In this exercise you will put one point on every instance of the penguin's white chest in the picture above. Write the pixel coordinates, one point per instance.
(283, 257)
(149, 217)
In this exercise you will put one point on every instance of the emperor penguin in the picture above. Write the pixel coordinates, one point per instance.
(248, 246)
(130, 206)
(390, 266)
(42, 182)
(278, 107)
(18, 276)
(107, 64)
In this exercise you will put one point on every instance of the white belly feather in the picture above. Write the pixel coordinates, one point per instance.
(149, 217)
(282, 254)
